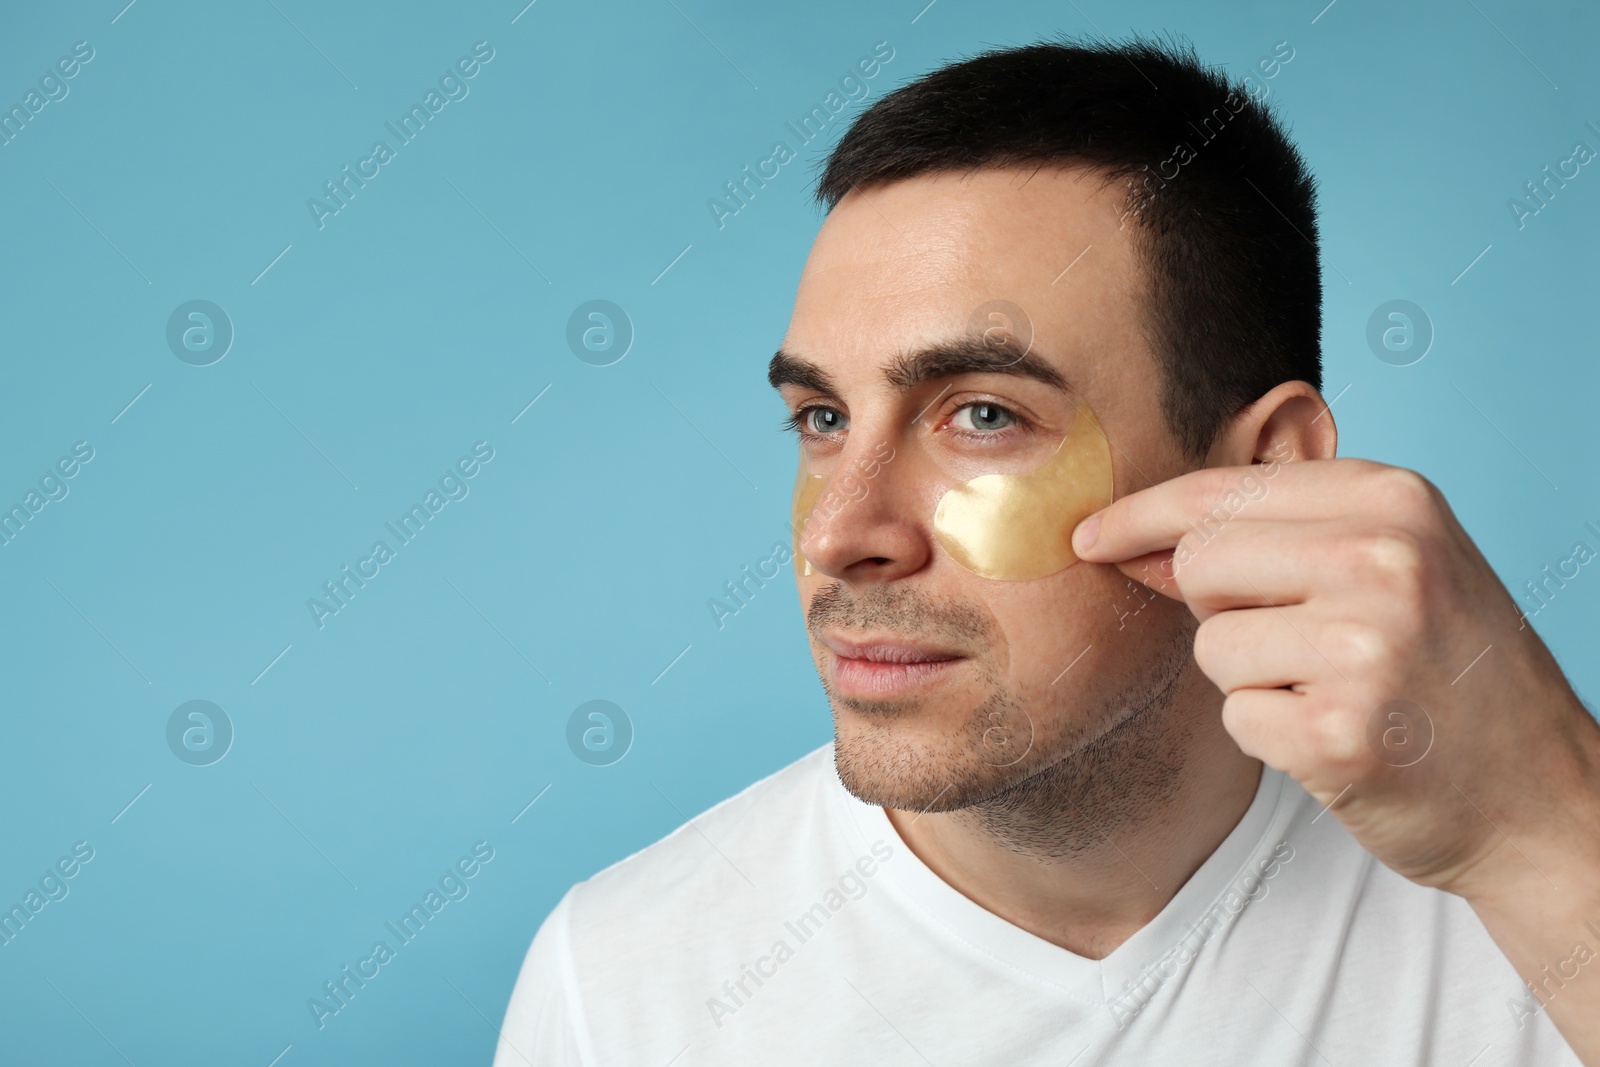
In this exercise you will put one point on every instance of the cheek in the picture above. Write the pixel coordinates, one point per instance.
(1062, 630)
(1018, 526)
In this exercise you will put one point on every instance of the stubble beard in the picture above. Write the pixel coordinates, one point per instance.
(1041, 778)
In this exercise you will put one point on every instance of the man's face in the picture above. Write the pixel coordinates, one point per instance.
(948, 687)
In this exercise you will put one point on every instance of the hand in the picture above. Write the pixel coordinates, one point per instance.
(1366, 648)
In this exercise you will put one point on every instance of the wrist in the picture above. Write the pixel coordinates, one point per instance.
(1548, 860)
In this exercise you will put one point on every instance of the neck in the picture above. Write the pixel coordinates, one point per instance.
(1086, 851)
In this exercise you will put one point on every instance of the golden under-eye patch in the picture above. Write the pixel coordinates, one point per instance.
(807, 488)
(1015, 527)
(1009, 527)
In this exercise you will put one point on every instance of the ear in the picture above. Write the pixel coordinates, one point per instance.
(1290, 422)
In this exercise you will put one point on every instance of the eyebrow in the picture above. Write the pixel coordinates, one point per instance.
(944, 359)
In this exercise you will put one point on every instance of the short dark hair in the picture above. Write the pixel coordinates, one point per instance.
(1229, 241)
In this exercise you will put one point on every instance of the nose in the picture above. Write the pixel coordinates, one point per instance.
(868, 523)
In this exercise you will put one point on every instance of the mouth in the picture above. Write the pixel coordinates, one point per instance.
(886, 666)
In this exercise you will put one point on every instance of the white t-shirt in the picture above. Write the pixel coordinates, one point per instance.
(791, 925)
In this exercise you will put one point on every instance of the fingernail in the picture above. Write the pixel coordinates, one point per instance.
(1088, 530)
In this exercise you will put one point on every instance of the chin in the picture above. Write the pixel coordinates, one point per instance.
(919, 763)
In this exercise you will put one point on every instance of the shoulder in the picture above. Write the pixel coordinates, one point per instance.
(747, 842)
(652, 923)
(729, 859)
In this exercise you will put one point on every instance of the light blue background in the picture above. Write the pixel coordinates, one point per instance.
(378, 349)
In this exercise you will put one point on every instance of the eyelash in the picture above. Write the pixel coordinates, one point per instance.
(797, 422)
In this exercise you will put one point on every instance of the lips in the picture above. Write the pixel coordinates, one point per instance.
(885, 667)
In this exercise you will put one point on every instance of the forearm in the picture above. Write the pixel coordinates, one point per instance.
(1555, 946)
(1546, 919)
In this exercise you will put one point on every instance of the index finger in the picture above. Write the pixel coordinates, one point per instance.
(1153, 519)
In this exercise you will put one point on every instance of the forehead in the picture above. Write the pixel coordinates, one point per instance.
(907, 263)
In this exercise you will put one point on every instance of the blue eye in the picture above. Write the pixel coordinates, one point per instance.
(819, 421)
(983, 416)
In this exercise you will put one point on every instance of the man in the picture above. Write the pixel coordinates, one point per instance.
(1274, 773)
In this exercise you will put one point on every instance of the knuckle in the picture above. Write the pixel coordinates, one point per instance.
(1403, 491)
(1394, 556)
(1360, 646)
(1216, 481)
(1208, 490)
(1338, 736)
